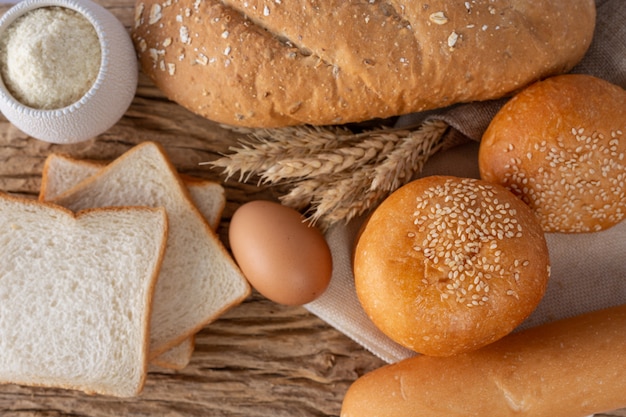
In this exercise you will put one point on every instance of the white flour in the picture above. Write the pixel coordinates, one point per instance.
(49, 57)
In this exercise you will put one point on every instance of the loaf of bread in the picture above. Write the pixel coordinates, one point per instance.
(571, 368)
(76, 295)
(61, 173)
(560, 146)
(447, 265)
(198, 280)
(270, 64)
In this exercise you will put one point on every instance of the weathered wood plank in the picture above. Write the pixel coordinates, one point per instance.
(259, 359)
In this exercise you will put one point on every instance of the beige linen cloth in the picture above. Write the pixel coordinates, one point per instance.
(588, 270)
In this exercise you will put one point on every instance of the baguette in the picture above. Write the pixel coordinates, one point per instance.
(199, 280)
(570, 368)
(272, 64)
(62, 172)
(76, 295)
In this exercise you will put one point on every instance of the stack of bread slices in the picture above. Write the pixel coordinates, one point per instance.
(114, 269)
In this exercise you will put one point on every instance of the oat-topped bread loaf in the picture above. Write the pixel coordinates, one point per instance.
(276, 63)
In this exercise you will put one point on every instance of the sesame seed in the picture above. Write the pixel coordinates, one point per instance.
(512, 293)
(463, 221)
(580, 163)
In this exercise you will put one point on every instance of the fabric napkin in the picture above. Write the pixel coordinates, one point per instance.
(588, 270)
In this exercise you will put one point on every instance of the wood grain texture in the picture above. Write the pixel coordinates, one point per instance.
(260, 358)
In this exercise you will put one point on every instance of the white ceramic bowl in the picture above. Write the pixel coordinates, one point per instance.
(105, 102)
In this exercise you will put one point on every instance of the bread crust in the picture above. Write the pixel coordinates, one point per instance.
(271, 64)
(447, 265)
(570, 368)
(560, 145)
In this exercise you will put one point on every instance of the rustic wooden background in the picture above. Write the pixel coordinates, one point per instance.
(259, 359)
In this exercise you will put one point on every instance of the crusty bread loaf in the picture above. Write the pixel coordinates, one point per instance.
(199, 280)
(62, 172)
(559, 145)
(76, 295)
(447, 265)
(269, 64)
(571, 368)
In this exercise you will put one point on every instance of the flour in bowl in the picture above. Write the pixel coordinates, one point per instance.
(49, 57)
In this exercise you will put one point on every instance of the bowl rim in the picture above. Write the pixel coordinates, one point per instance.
(87, 9)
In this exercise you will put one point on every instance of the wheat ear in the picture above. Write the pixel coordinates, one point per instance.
(333, 174)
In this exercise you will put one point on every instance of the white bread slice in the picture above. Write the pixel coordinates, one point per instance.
(209, 198)
(62, 172)
(177, 357)
(199, 280)
(76, 293)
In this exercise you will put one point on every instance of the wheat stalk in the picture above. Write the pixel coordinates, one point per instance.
(333, 174)
(409, 156)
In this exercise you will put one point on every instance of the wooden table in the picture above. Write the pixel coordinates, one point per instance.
(260, 358)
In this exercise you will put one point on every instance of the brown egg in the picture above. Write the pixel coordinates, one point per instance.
(285, 258)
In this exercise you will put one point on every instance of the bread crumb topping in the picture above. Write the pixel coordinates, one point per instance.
(50, 57)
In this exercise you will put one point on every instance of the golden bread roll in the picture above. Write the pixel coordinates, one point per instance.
(277, 63)
(570, 368)
(446, 265)
(560, 145)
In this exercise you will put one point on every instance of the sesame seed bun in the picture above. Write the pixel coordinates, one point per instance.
(446, 265)
(560, 146)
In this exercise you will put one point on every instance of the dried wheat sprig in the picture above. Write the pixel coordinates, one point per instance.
(335, 174)
(328, 162)
(294, 152)
(275, 145)
(301, 195)
(332, 199)
(409, 156)
(344, 199)
(346, 195)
